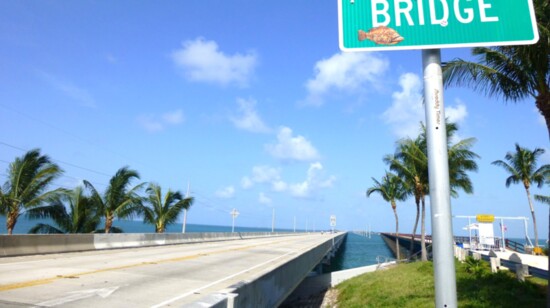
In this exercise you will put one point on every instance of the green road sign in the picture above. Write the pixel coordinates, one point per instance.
(423, 24)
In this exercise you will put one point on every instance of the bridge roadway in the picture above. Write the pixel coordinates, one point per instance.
(174, 275)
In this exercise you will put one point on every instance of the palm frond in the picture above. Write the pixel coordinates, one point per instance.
(41, 228)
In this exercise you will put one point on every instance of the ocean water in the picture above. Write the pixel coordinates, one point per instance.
(131, 226)
(358, 250)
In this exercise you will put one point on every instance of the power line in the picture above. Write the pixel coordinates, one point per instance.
(59, 161)
(61, 130)
(206, 203)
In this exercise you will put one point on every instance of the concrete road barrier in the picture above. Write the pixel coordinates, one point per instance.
(30, 244)
(17, 245)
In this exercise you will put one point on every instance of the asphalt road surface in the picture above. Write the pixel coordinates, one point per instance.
(163, 276)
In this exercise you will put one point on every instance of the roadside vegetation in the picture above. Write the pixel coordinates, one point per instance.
(412, 285)
(27, 192)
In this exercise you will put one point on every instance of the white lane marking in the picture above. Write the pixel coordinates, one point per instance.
(21, 262)
(78, 295)
(218, 281)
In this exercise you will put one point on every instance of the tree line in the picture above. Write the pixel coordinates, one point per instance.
(409, 176)
(82, 209)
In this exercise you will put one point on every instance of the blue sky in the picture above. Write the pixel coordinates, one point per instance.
(251, 102)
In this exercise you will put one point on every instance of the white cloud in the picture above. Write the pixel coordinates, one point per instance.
(292, 148)
(156, 123)
(407, 111)
(249, 119)
(226, 192)
(80, 95)
(263, 199)
(344, 72)
(458, 113)
(262, 175)
(149, 123)
(315, 181)
(202, 61)
(279, 186)
(175, 117)
(246, 182)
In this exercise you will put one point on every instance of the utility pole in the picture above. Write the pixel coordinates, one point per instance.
(273, 221)
(185, 211)
(234, 213)
(438, 172)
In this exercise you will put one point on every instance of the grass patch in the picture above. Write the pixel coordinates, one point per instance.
(411, 285)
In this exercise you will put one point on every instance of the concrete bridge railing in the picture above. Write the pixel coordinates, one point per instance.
(30, 244)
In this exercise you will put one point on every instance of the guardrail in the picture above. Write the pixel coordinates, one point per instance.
(515, 246)
(512, 266)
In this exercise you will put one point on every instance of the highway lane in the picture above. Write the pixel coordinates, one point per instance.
(143, 277)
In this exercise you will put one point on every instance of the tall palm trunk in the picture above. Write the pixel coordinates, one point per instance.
(411, 249)
(108, 223)
(11, 221)
(424, 252)
(533, 215)
(394, 207)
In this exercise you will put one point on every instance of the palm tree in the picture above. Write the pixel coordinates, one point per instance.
(81, 217)
(391, 189)
(118, 201)
(513, 73)
(163, 211)
(461, 159)
(522, 167)
(26, 187)
(411, 165)
(543, 199)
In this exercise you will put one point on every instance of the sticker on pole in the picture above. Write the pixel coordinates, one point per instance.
(366, 25)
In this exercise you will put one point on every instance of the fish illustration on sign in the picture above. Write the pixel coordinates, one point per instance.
(381, 35)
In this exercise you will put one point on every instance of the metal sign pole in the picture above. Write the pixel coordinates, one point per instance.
(503, 247)
(273, 221)
(470, 233)
(438, 165)
(234, 213)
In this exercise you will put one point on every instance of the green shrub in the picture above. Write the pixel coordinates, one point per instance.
(476, 267)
